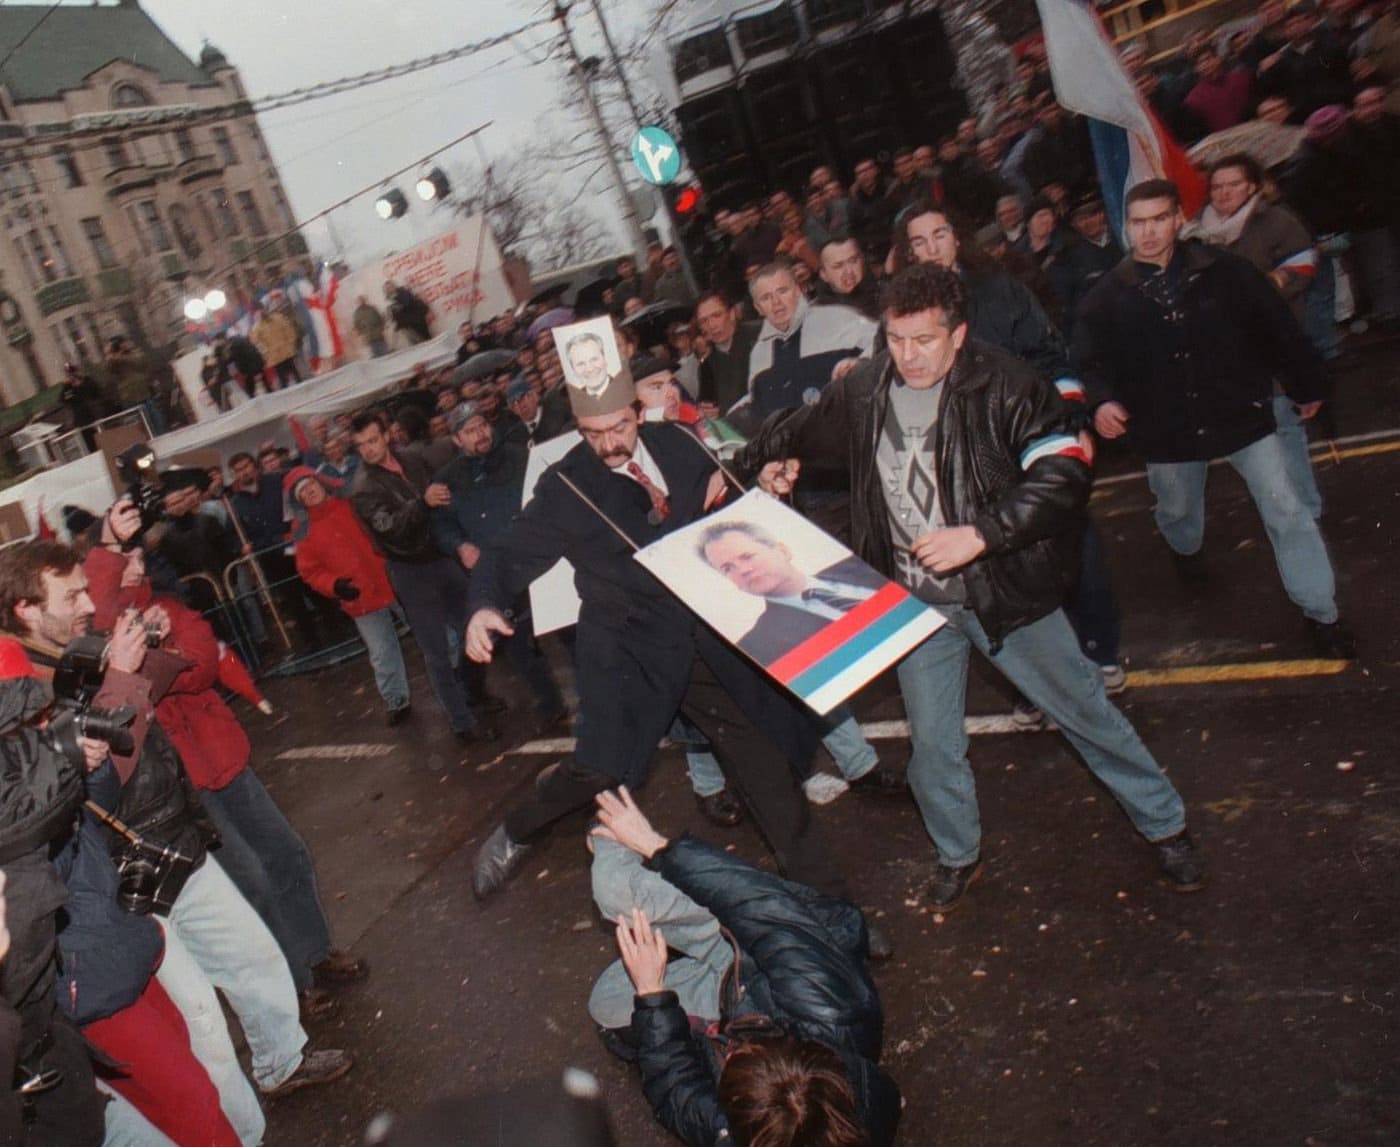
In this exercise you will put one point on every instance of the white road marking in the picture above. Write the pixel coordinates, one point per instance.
(335, 752)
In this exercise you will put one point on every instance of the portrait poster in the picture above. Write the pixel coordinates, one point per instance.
(816, 618)
(554, 602)
(590, 356)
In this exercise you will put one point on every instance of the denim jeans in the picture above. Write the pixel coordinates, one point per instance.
(1043, 660)
(620, 883)
(124, 1126)
(853, 754)
(1320, 309)
(237, 954)
(381, 638)
(268, 862)
(1299, 551)
(1294, 433)
(434, 599)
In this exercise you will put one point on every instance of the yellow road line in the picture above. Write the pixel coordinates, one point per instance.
(1322, 454)
(1243, 671)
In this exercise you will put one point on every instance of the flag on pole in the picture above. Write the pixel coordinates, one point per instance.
(1130, 143)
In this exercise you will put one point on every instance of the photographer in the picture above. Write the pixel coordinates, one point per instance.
(44, 599)
(259, 849)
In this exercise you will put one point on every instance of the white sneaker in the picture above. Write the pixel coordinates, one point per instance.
(823, 788)
(1114, 679)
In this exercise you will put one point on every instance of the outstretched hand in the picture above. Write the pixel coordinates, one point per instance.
(643, 950)
(622, 821)
(482, 630)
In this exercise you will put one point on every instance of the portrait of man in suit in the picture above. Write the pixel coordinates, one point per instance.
(587, 359)
(797, 604)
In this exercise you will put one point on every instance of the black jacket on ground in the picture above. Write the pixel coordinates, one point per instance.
(801, 963)
(392, 508)
(993, 411)
(1197, 381)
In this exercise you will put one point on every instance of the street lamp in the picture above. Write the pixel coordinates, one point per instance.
(434, 185)
(196, 310)
(215, 300)
(391, 205)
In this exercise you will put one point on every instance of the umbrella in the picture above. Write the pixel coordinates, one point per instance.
(552, 294)
(483, 365)
(586, 295)
(557, 317)
(1267, 143)
(650, 322)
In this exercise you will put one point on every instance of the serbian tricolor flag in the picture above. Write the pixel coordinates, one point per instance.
(1130, 143)
(855, 648)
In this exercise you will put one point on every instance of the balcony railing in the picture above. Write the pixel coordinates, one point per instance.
(134, 177)
(114, 282)
(172, 266)
(198, 167)
(64, 293)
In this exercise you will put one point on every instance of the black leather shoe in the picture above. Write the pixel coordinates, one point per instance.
(950, 885)
(1332, 640)
(879, 947)
(1191, 569)
(721, 808)
(492, 705)
(881, 781)
(481, 735)
(398, 715)
(497, 860)
(1181, 862)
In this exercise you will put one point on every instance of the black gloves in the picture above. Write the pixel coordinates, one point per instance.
(345, 589)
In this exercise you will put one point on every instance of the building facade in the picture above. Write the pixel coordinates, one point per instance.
(130, 178)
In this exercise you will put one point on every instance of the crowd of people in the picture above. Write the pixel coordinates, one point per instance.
(924, 360)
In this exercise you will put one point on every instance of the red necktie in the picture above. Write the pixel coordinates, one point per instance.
(660, 507)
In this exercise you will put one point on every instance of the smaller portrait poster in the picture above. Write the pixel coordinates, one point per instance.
(589, 354)
(814, 616)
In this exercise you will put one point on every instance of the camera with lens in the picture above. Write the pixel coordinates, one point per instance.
(149, 877)
(76, 682)
(136, 466)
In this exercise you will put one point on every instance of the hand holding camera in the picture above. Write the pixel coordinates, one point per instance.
(127, 650)
(122, 523)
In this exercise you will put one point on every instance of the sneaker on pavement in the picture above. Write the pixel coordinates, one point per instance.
(720, 808)
(881, 781)
(316, 1067)
(823, 788)
(1181, 862)
(1026, 716)
(1114, 679)
(498, 859)
(950, 885)
(1332, 640)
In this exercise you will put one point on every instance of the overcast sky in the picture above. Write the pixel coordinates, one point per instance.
(331, 147)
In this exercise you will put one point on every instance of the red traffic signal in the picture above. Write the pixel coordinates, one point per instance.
(687, 201)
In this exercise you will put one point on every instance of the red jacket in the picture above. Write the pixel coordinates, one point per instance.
(203, 729)
(336, 545)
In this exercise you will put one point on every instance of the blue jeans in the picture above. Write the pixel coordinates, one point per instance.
(269, 863)
(1043, 660)
(381, 638)
(853, 754)
(1294, 433)
(1320, 309)
(434, 599)
(1299, 551)
(236, 954)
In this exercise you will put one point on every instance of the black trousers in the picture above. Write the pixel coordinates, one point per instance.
(758, 734)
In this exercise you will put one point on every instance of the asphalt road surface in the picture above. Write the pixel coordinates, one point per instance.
(1074, 999)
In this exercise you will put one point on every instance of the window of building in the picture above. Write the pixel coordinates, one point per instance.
(60, 253)
(115, 151)
(67, 167)
(284, 210)
(228, 221)
(224, 142)
(130, 96)
(153, 225)
(184, 144)
(27, 262)
(94, 332)
(43, 260)
(248, 208)
(77, 340)
(259, 148)
(185, 233)
(134, 219)
(9, 182)
(97, 240)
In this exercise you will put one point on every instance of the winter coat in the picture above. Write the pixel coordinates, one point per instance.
(1005, 313)
(801, 963)
(276, 337)
(1344, 184)
(486, 493)
(336, 546)
(392, 509)
(1008, 461)
(209, 738)
(1197, 379)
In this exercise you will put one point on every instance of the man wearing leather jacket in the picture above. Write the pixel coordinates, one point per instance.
(969, 486)
(210, 927)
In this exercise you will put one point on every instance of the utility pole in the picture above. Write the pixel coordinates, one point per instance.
(600, 128)
(676, 236)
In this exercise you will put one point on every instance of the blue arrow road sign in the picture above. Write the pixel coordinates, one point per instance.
(657, 155)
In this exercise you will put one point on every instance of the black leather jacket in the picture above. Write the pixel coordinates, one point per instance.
(1008, 463)
(393, 510)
